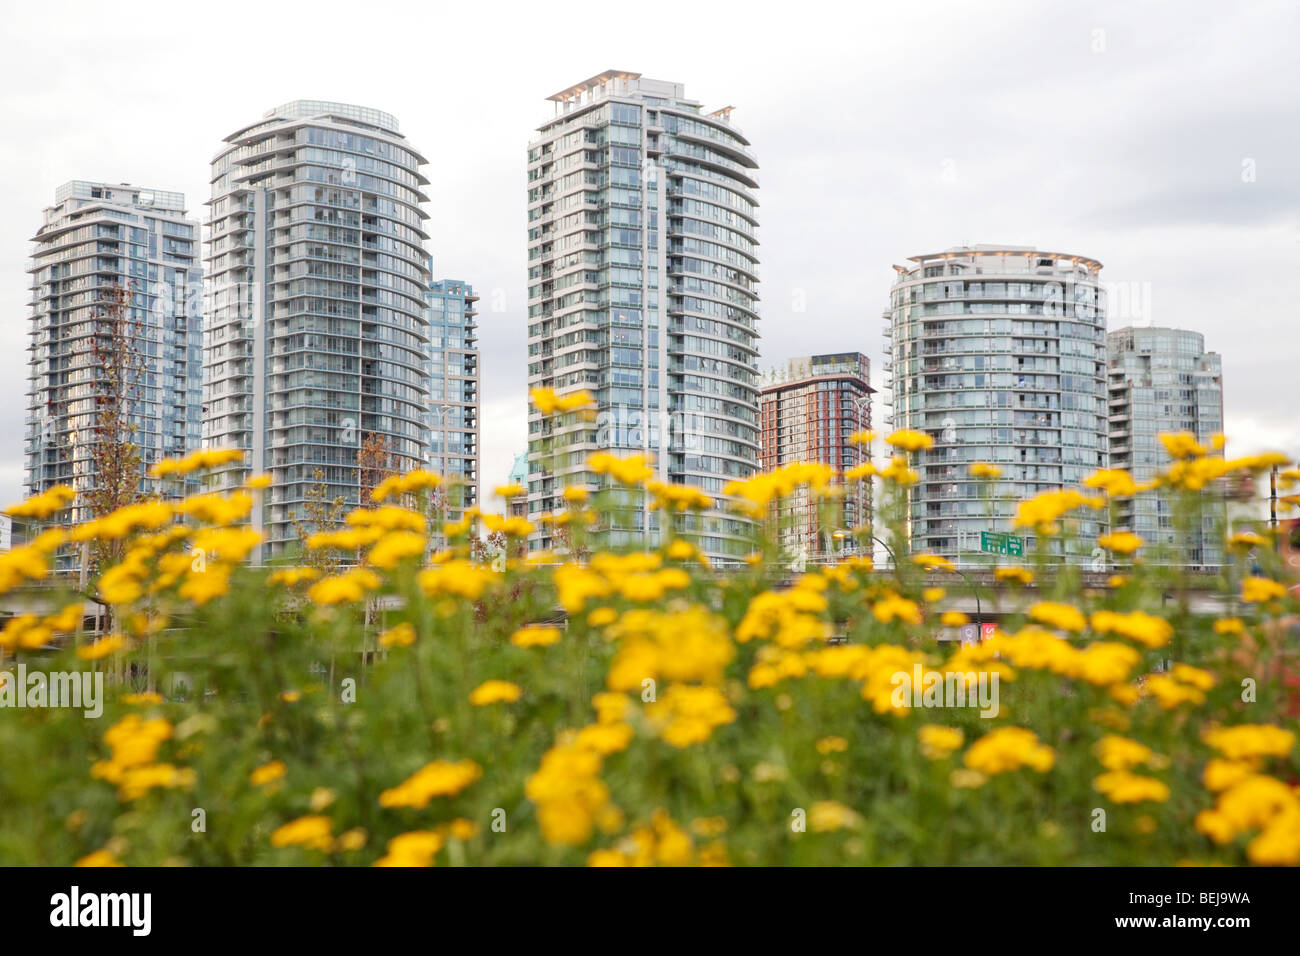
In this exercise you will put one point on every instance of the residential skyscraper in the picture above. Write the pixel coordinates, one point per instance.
(99, 238)
(1162, 380)
(998, 353)
(642, 271)
(317, 339)
(453, 438)
(808, 413)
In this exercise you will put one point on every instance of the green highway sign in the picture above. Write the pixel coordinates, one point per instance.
(996, 542)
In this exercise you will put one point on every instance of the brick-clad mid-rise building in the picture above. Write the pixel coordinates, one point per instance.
(808, 413)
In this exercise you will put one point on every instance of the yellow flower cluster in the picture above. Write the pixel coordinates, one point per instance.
(689, 645)
(198, 461)
(1121, 542)
(347, 587)
(456, 578)
(495, 692)
(571, 798)
(441, 778)
(134, 742)
(43, 505)
(546, 401)
(660, 843)
(678, 497)
(908, 440)
(791, 618)
(1009, 748)
(1115, 482)
(1135, 625)
(1257, 802)
(628, 471)
(1042, 512)
(410, 483)
(939, 742)
(686, 715)
(757, 493)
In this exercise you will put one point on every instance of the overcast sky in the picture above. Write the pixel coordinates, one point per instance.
(1161, 139)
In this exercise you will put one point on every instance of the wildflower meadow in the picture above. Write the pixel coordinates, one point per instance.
(393, 695)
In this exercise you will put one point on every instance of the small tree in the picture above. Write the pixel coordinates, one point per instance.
(320, 513)
(376, 461)
(118, 473)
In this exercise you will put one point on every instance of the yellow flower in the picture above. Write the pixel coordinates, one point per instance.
(509, 491)
(1220, 774)
(142, 699)
(401, 635)
(456, 579)
(535, 636)
(628, 471)
(1121, 542)
(1125, 787)
(1009, 748)
(827, 815)
(409, 483)
(1135, 625)
(981, 469)
(440, 778)
(1120, 753)
(395, 547)
(832, 745)
(965, 779)
(1019, 575)
(417, 848)
(1257, 590)
(351, 840)
(288, 577)
(686, 715)
(312, 832)
(953, 619)
(604, 738)
(1065, 617)
(103, 647)
(258, 482)
(862, 438)
(932, 562)
(1181, 445)
(602, 616)
(938, 742)
(1113, 481)
(571, 799)
(99, 858)
(1250, 740)
(198, 461)
(546, 401)
(43, 505)
(893, 607)
(909, 440)
(348, 587)
(267, 773)
(611, 707)
(1044, 510)
(1229, 625)
(494, 692)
